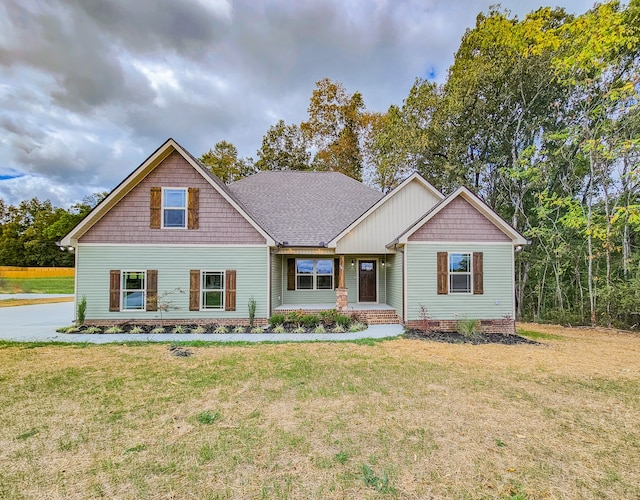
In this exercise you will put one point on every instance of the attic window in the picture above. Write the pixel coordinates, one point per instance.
(174, 208)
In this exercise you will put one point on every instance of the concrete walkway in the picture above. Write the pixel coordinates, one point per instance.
(38, 323)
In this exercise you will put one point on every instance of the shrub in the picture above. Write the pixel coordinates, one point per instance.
(158, 329)
(252, 310)
(257, 329)
(179, 329)
(238, 329)
(328, 317)
(467, 327)
(310, 320)
(136, 329)
(276, 319)
(300, 329)
(93, 329)
(114, 329)
(343, 320)
(279, 329)
(295, 317)
(320, 329)
(199, 329)
(357, 327)
(82, 309)
(221, 329)
(338, 329)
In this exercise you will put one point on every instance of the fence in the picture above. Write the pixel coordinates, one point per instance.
(36, 272)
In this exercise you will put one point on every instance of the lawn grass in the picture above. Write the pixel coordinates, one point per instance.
(37, 285)
(395, 419)
(30, 302)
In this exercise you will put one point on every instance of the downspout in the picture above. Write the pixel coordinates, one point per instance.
(404, 294)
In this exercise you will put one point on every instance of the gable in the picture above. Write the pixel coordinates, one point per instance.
(459, 221)
(402, 208)
(128, 220)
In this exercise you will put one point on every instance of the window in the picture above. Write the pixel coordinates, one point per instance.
(459, 273)
(314, 274)
(212, 290)
(133, 291)
(174, 208)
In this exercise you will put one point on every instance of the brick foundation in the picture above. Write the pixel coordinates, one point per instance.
(503, 326)
(368, 316)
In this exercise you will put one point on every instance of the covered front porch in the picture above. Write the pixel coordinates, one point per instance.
(372, 314)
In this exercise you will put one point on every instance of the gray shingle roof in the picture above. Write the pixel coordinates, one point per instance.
(303, 208)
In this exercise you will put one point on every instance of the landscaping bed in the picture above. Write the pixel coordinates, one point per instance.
(465, 338)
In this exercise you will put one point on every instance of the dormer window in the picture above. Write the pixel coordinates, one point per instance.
(174, 208)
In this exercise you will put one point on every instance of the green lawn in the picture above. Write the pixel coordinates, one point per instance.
(37, 285)
(394, 419)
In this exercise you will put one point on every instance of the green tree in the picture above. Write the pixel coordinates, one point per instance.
(224, 163)
(284, 147)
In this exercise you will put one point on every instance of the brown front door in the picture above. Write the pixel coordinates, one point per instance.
(367, 281)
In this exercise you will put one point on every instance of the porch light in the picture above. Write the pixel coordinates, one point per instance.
(353, 262)
(382, 262)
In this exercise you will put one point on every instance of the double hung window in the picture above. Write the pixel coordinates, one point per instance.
(212, 290)
(174, 208)
(314, 274)
(133, 291)
(460, 273)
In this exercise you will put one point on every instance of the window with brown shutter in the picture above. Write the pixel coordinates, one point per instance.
(194, 290)
(478, 273)
(291, 274)
(114, 290)
(155, 207)
(152, 290)
(193, 208)
(230, 291)
(443, 273)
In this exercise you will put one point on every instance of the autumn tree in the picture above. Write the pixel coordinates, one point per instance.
(284, 147)
(224, 163)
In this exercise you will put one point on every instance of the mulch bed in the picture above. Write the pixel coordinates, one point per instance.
(476, 339)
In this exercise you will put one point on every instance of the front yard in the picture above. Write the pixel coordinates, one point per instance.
(402, 418)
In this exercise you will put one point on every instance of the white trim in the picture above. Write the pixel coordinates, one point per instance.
(414, 176)
(122, 290)
(467, 243)
(185, 209)
(470, 273)
(478, 204)
(75, 284)
(120, 191)
(358, 260)
(513, 284)
(202, 289)
(405, 284)
(269, 305)
(174, 245)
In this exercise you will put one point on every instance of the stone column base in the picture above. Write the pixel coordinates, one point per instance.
(342, 303)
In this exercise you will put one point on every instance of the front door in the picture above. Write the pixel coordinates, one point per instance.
(367, 281)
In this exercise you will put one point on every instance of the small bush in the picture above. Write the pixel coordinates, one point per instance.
(320, 329)
(82, 310)
(179, 329)
(328, 317)
(257, 329)
(114, 329)
(357, 327)
(295, 317)
(136, 329)
(276, 319)
(199, 329)
(343, 320)
(339, 329)
(310, 320)
(72, 329)
(93, 329)
(221, 329)
(158, 329)
(300, 329)
(252, 310)
(238, 329)
(279, 329)
(467, 327)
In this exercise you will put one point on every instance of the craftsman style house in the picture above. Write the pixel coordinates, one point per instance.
(172, 243)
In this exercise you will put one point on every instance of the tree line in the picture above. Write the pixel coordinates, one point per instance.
(539, 116)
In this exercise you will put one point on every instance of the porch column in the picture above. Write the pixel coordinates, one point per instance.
(342, 303)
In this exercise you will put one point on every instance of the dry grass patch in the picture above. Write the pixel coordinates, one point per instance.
(30, 302)
(404, 418)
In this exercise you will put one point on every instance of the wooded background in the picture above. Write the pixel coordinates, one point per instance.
(539, 116)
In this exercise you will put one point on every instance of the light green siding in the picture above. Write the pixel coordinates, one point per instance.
(394, 282)
(495, 303)
(276, 281)
(173, 264)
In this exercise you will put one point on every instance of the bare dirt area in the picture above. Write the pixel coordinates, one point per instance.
(401, 418)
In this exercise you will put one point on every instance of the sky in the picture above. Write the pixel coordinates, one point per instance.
(89, 89)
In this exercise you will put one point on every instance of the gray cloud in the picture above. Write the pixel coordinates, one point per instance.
(89, 89)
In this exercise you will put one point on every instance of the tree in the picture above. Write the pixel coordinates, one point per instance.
(284, 147)
(335, 128)
(224, 163)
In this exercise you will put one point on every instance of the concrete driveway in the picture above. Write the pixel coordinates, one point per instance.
(38, 323)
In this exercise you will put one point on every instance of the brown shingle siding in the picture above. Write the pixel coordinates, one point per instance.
(459, 221)
(128, 221)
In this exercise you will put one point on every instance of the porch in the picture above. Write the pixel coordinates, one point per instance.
(372, 314)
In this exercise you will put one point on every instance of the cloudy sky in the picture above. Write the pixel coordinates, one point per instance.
(88, 89)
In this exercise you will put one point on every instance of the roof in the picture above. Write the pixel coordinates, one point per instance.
(140, 173)
(477, 203)
(303, 208)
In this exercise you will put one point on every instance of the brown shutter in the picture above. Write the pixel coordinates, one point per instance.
(336, 273)
(194, 290)
(152, 290)
(291, 274)
(230, 291)
(443, 273)
(193, 207)
(478, 273)
(155, 207)
(114, 290)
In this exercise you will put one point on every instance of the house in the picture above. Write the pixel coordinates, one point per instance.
(172, 243)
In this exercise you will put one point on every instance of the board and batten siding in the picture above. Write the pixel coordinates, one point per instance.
(496, 302)
(394, 282)
(383, 225)
(173, 263)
